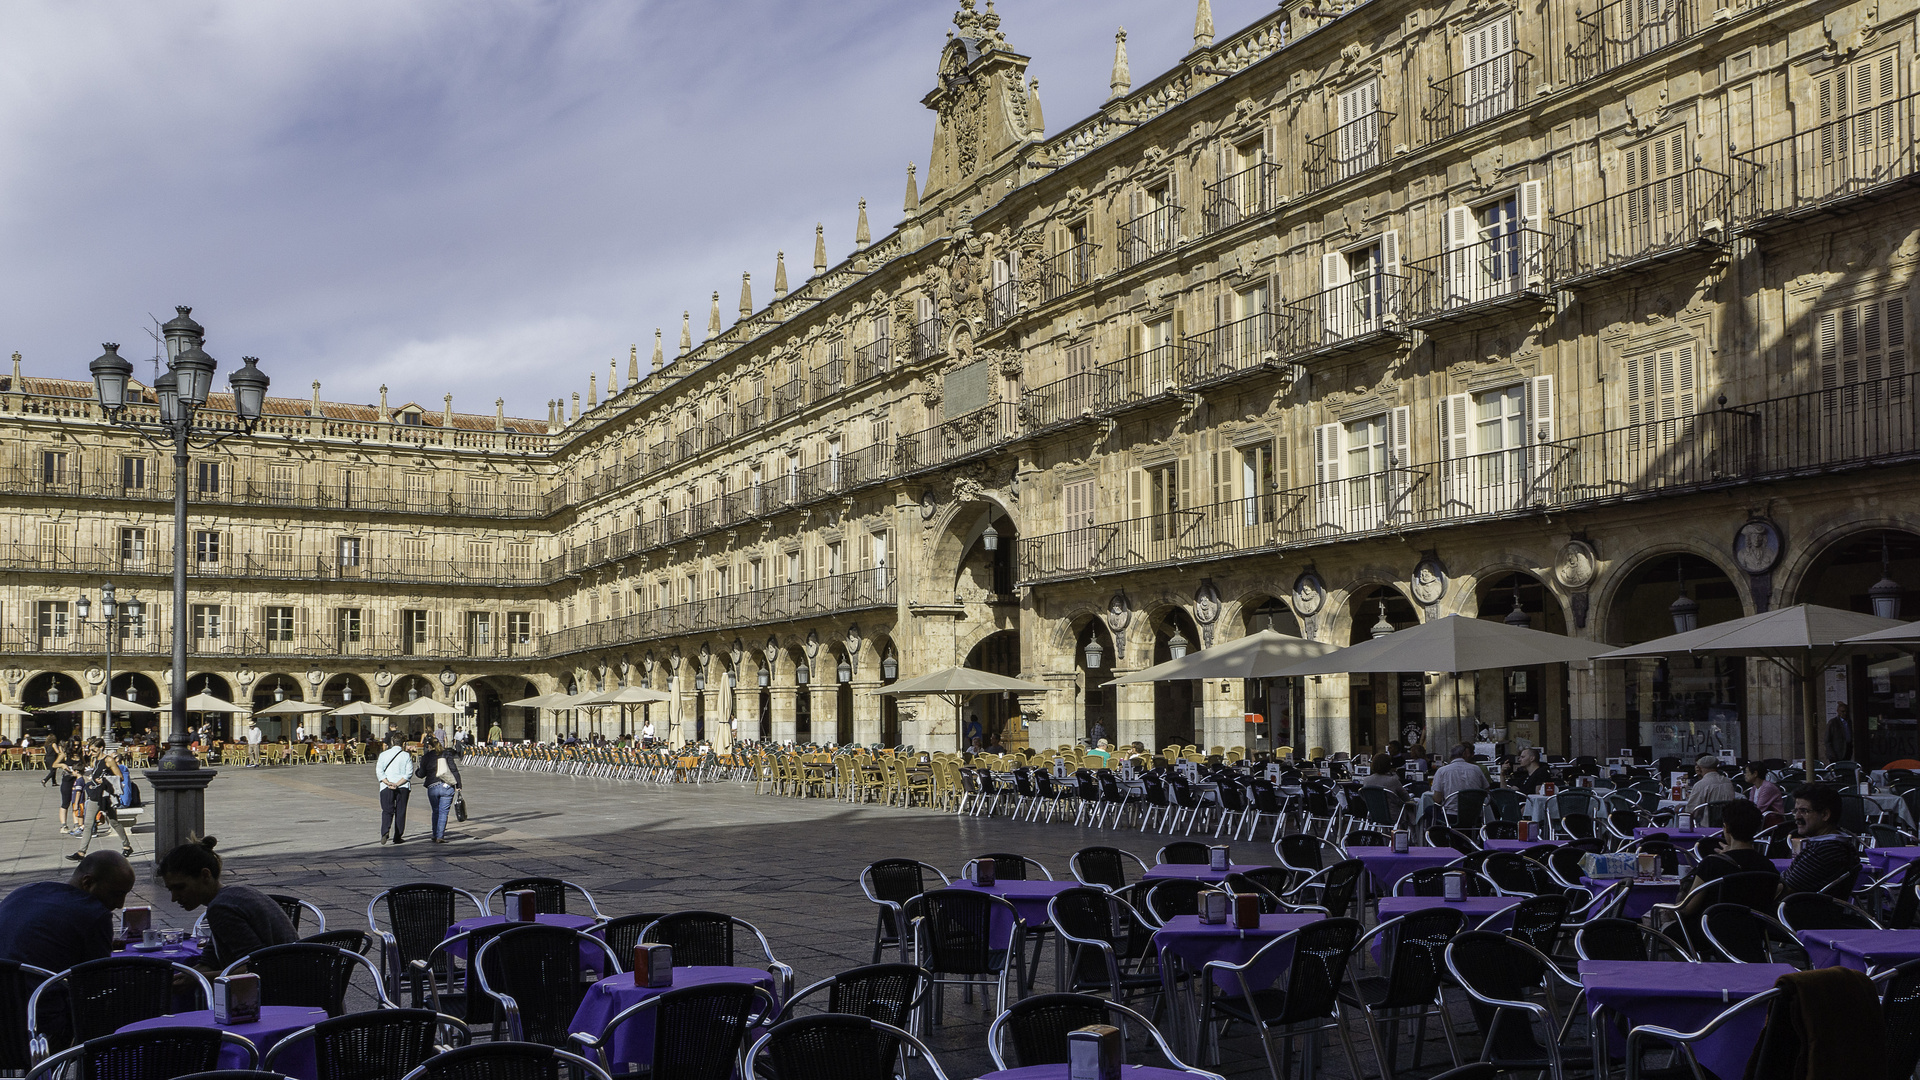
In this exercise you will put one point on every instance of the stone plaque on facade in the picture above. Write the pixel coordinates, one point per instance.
(1308, 595)
(968, 389)
(1576, 565)
(1756, 547)
(1429, 582)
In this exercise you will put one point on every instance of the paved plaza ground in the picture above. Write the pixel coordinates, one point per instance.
(790, 866)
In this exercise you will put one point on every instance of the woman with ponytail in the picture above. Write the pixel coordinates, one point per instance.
(240, 918)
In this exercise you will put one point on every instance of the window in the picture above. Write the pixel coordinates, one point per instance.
(206, 547)
(53, 468)
(413, 631)
(1483, 442)
(1486, 54)
(278, 623)
(53, 619)
(1356, 485)
(520, 494)
(1860, 136)
(1356, 144)
(133, 545)
(833, 464)
(880, 557)
(280, 548)
(480, 492)
(1493, 248)
(756, 574)
(1661, 385)
(480, 552)
(1658, 210)
(1362, 286)
(207, 477)
(283, 484)
(414, 550)
(1862, 351)
(793, 567)
(346, 625)
(349, 549)
(479, 629)
(419, 489)
(1262, 477)
(833, 559)
(206, 622)
(1153, 227)
(1157, 494)
(519, 627)
(1076, 498)
(133, 627)
(520, 556)
(133, 473)
(790, 475)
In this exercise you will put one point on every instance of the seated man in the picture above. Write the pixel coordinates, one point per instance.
(1737, 853)
(1459, 774)
(1383, 776)
(1827, 852)
(1711, 786)
(1530, 773)
(55, 925)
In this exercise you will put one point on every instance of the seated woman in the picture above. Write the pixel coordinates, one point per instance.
(239, 917)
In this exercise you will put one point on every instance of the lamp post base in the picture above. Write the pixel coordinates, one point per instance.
(179, 808)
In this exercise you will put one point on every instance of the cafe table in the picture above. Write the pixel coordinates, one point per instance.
(184, 952)
(1681, 996)
(1684, 839)
(1029, 900)
(1197, 871)
(631, 1048)
(1186, 945)
(1061, 1072)
(1883, 859)
(1477, 909)
(591, 958)
(276, 1022)
(1861, 950)
(1642, 893)
(1385, 866)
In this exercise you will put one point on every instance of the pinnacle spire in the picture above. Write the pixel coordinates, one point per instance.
(862, 235)
(686, 332)
(1037, 121)
(746, 295)
(713, 319)
(1203, 26)
(593, 390)
(659, 359)
(613, 377)
(913, 191)
(780, 275)
(1122, 81)
(819, 249)
(633, 361)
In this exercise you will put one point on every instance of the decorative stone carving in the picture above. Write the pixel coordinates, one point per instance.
(1206, 603)
(1309, 594)
(1576, 565)
(1119, 613)
(1429, 582)
(1756, 547)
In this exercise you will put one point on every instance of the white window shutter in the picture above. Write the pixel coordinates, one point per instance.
(1459, 234)
(1390, 252)
(1326, 453)
(1333, 269)
(1533, 230)
(1540, 413)
(300, 625)
(1400, 436)
(1136, 497)
(1456, 430)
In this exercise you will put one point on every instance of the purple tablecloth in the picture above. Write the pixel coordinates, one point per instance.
(1641, 895)
(1861, 950)
(1386, 867)
(591, 957)
(187, 952)
(1198, 872)
(1516, 845)
(1059, 1072)
(1475, 908)
(1196, 943)
(276, 1022)
(1683, 997)
(1883, 859)
(1029, 898)
(632, 1045)
(1682, 838)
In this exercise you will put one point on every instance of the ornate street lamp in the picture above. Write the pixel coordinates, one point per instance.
(1885, 593)
(1096, 656)
(111, 613)
(1177, 644)
(991, 538)
(889, 668)
(179, 782)
(1684, 609)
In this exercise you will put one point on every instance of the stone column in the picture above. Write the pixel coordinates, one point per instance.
(1225, 708)
(1133, 711)
(1326, 724)
(783, 712)
(866, 705)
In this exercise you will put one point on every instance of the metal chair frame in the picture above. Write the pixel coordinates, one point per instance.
(426, 1069)
(37, 1047)
(379, 987)
(1126, 1014)
(500, 890)
(52, 1066)
(596, 1044)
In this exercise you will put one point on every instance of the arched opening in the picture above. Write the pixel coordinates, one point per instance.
(408, 688)
(1094, 651)
(1174, 700)
(1276, 702)
(763, 693)
(1685, 707)
(842, 697)
(802, 699)
(141, 690)
(339, 690)
(1387, 706)
(889, 705)
(218, 725)
(52, 688)
(1521, 703)
(1874, 572)
(270, 690)
(990, 719)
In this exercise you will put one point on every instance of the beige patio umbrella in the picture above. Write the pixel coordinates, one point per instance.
(209, 703)
(98, 703)
(554, 700)
(423, 706)
(1255, 656)
(1803, 639)
(1903, 635)
(8, 710)
(290, 707)
(958, 684)
(621, 696)
(360, 708)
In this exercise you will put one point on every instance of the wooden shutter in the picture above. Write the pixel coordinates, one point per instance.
(1400, 437)
(1077, 498)
(1533, 272)
(301, 626)
(1390, 271)
(1326, 471)
(433, 628)
(1460, 235)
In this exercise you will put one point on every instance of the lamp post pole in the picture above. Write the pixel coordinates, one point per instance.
(179, 783)
(111, 613)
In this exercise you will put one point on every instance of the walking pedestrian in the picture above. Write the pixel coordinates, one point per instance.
(439, 769)
(106, 783)
(253, 744)
(394, 767)
(493, 733)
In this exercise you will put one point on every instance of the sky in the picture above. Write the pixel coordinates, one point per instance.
(489, 198)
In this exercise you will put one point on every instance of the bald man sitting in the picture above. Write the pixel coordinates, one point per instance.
(57, 924)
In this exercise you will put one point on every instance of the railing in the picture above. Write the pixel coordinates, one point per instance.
(959, 437)
(872, 359)
(1063, 401)
(828, 378)
(1242, 345)
(926, 338)
(788, 397)
(1857, 426)
(1626, 30)
(1653, 219)
(79, 481)
(1003, 301)
(1347, 150)
(752, 413)
(1346, 315)
(1481, 92)
(1246, 194)
(83, 640)
(1143, 375)
(843, 592)
(1065, 271)
(1513, 263)
(1151, 234)
(1831, 162)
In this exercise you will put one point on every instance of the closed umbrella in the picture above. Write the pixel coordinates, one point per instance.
(1255, 656)
(1803, 639)
(673, 708)
(726, 712)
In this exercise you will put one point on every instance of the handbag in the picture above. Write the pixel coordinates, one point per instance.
(459, 806)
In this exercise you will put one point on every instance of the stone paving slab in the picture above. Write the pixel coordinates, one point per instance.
(790, 866)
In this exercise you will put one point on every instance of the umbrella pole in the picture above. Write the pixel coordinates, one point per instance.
(1810, 704)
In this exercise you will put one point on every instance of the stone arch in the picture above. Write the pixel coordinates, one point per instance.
(1677, 708)
(1796, 576)
(959, 525)
(1614, 579)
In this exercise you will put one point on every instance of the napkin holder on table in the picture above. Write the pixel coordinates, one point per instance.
(134, 922)
(1600, 866)
(653, 965)
(981, 873)
(1218, 857)
(1215, 907)
(236, 999)
(522, 906)
(1246, 911)
(1094, 1052)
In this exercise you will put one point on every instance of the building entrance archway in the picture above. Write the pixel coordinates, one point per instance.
(993, 718)
(1277, 702)
(1679, 708)
(1387, 707)
(1521, 703)
(1881, 692)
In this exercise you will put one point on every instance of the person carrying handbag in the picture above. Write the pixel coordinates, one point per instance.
(442, 774)
(106, 785)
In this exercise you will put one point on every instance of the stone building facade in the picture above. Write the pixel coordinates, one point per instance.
(1357, 317)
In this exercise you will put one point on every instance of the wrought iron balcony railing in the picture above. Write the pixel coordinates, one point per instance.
(1509, 265)
(1648, 222)
(1346, 316)
(1870, 151)
(1244, 195)
(1479, 93)
(927, 341)
(1003, 301)
(1348, 150)
(1625, 30)
(842, 592)
(1247, 344)
(1066, 271)
(1150, 235)
(1143, 376)
(1063, 401)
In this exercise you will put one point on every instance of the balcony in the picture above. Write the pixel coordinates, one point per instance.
(1516, 265)
(842, 592)
(77, 481)
(1649, 223)
(1623, 31)
(1003, 301)
(1066, 271)
(1481, 92)
(926, 338)
(1232, 349)
(827, 379)
(1831, 167)
(1143, 376)
(1349, 316)
(1149, 236)
(872, 360)
(1348, 150)
(1064, 401)
(1245, 195)
(788, 398)
(1864, 425)
(960, 437)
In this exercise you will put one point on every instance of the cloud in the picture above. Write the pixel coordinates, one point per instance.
(484, 196)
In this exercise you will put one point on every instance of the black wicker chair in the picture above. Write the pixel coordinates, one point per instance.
(459, 993)
(1266, 883)
(380, 1044)
(1539, 921)
(698, 1032)
(1009, 867)
(1414, 947)
(1900, 1008)
(1502, 977)
(837, 1046)
(1625, 939)
(352, 940)
(549, 895)
(103, 996)
(1745, 936)
(1038, 1029)
(534, 972)
(1432, 881)
(1109, 945)
(1305, 1000)
(953, 938)
(419, 916)
(888, 993)
(507, 1061)
(296, 908)
(706, 938)
(307, 974)
(1168, 897)
(622, 933)
(17, 984)
(1105, 867)
(160, 1053)
(1817, 911)
(890, 883)
(1184, 853)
